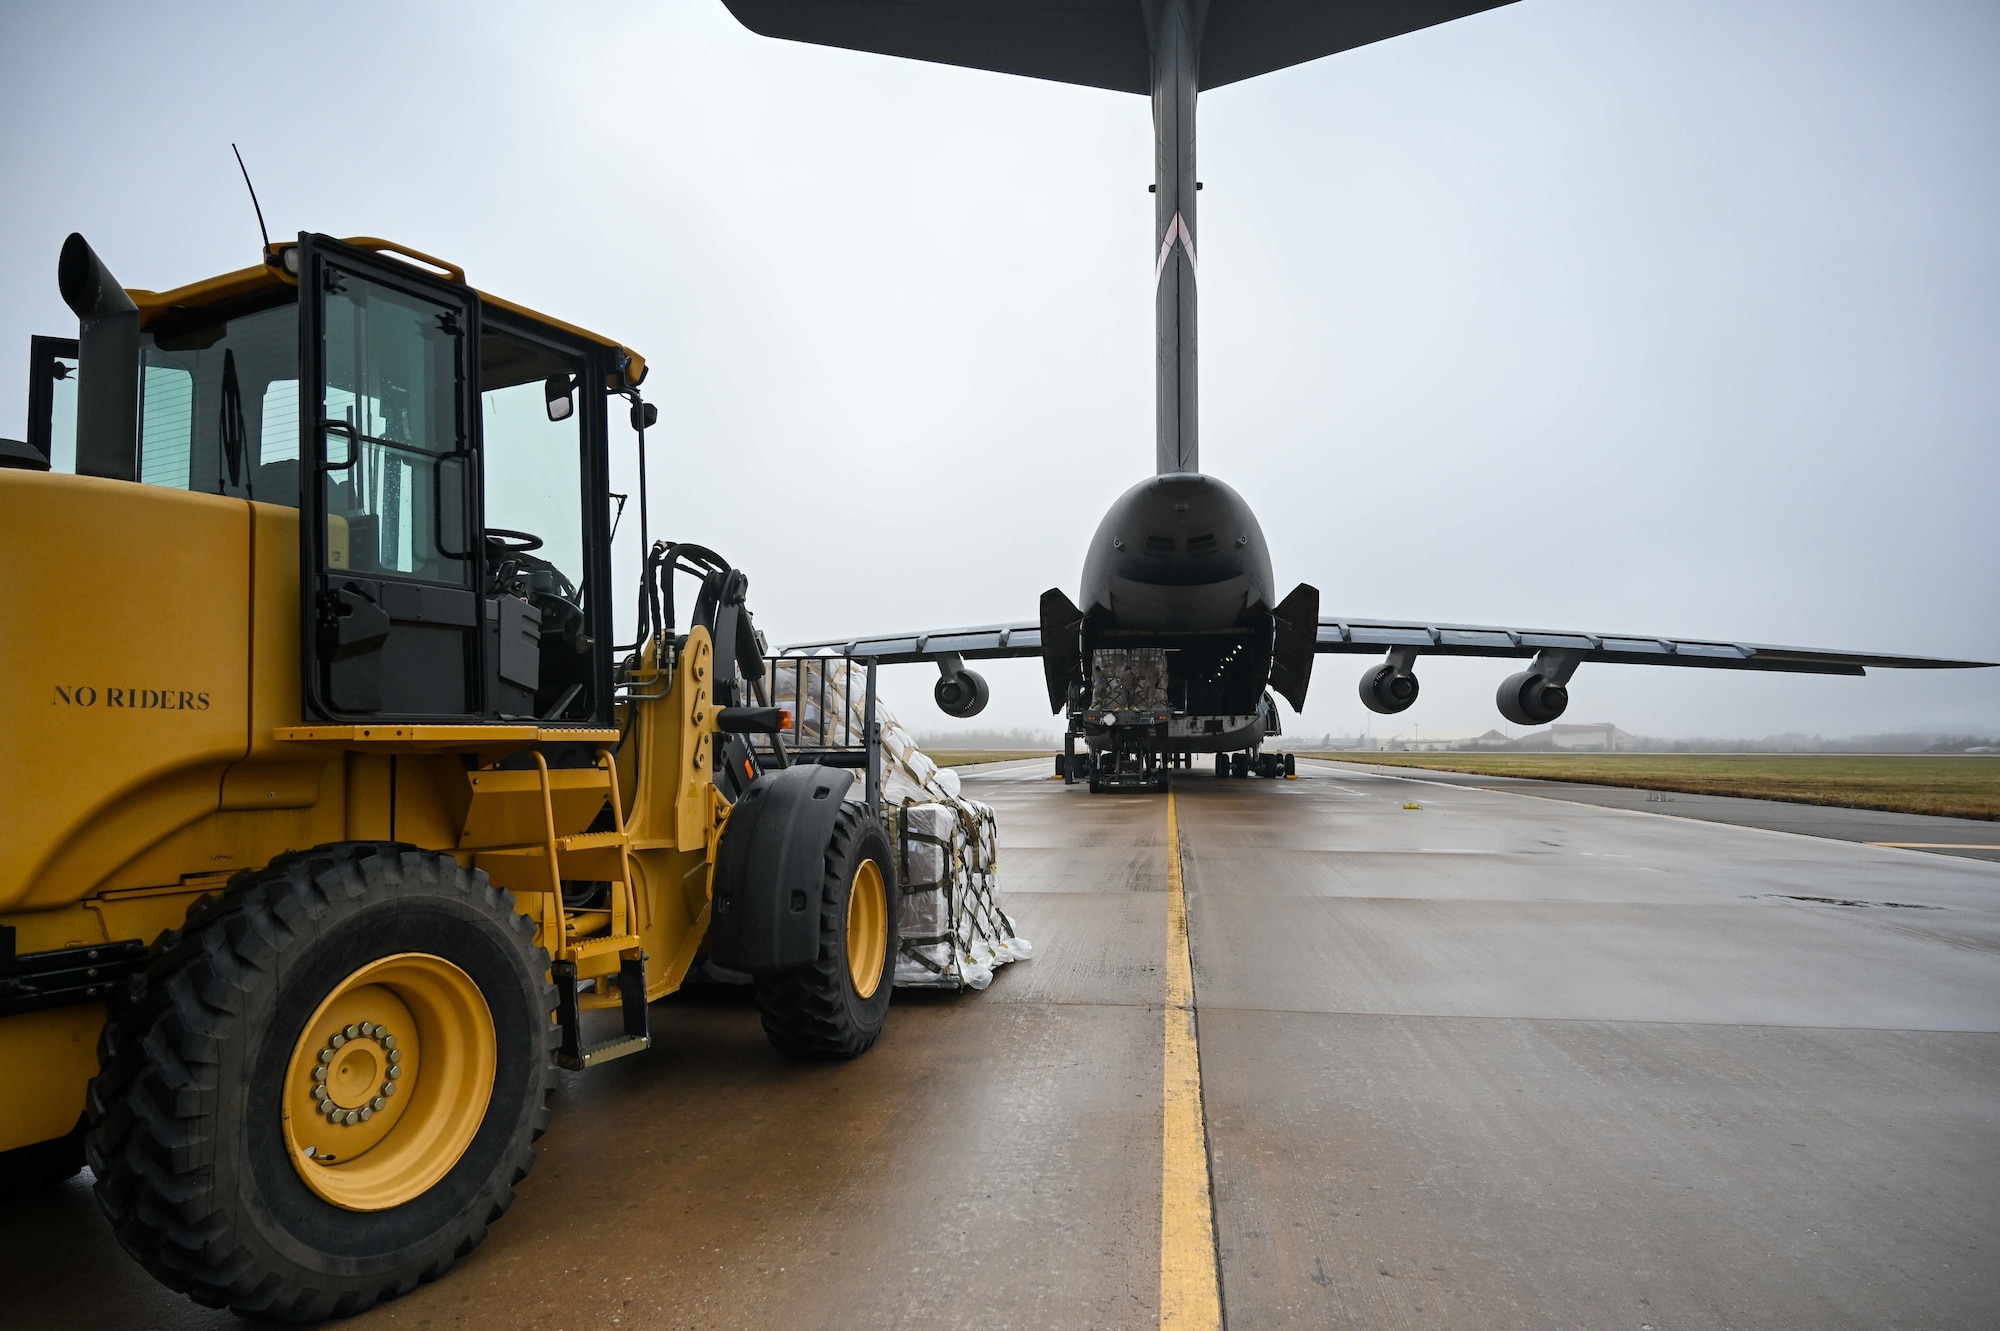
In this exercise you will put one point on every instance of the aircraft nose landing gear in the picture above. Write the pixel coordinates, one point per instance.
(1127, 763)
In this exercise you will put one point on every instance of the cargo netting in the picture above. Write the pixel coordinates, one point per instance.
(954, 929)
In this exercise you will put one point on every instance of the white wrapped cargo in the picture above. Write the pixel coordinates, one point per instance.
(954, 930)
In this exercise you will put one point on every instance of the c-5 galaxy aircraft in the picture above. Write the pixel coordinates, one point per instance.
(1178, 631)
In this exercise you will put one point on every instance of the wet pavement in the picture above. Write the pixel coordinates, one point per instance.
(1492, 1062)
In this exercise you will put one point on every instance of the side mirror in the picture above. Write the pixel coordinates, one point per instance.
(557, 391)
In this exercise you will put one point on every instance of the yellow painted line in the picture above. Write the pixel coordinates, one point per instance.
(1929, 845)
(1189, 1296)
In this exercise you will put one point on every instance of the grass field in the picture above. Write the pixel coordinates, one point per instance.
(1962, 787)
(962, 757)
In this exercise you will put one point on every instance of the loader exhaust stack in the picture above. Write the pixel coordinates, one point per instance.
(107, 404)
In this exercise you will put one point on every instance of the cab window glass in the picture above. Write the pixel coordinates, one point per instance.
(206, 389)
(166, 421)
(534, 466)
(61, 380)
(395, 486)
(278, 423)
(533, 471)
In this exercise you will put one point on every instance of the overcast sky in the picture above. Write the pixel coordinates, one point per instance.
(1666, 317)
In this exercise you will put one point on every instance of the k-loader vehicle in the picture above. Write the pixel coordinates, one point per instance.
(331, 811)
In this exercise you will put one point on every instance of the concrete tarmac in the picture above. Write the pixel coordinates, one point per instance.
(1493, 1062)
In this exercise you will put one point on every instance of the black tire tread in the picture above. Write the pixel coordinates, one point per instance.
(151, 1129)
(805, 1011)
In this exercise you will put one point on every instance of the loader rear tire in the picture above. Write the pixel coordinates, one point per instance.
(207, 1096)
(834, 1006)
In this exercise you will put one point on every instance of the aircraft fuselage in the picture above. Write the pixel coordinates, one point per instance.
(1178, 553)
(1179, 565)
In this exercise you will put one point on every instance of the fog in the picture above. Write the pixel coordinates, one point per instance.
(1676, 318)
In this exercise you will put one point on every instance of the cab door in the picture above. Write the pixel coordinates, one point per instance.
(389, 548)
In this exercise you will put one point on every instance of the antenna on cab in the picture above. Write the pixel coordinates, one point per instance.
(261, 228)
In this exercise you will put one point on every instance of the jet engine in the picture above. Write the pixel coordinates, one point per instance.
(1531, 699)
(1388, 689)
(961, 693)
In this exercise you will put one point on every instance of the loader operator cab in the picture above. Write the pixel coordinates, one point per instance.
(447, 451)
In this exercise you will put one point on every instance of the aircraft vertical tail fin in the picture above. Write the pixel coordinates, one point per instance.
(1168, 49)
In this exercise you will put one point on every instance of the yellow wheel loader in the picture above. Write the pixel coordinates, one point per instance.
(335, 818)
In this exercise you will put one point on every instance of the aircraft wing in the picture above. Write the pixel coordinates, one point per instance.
(986, 643)
(1097, 43)
(1369, 637)
(1373, 636)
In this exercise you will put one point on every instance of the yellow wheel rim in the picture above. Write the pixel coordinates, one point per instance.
(389, 1081)
(867, 928)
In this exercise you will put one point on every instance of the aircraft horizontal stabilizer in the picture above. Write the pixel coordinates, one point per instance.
(1097, 43)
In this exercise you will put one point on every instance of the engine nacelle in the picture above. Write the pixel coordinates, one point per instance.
(1528, 699)
(961, 694)
(1388, 689)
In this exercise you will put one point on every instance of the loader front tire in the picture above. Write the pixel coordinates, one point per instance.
(834, 1006)
(323, 1088)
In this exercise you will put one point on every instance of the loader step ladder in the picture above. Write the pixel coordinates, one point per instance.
(637, 1037)
(582, 856)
